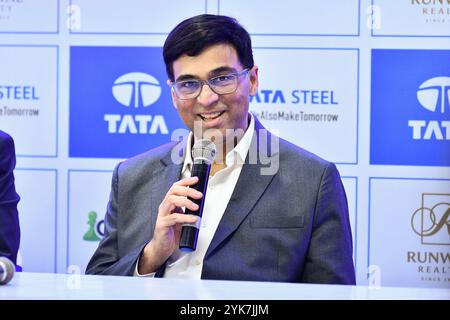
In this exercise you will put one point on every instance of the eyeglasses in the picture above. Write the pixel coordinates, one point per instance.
(223, 84)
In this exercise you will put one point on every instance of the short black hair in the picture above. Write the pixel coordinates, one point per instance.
(195, 34)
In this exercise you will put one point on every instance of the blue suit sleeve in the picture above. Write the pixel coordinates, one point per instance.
(9, 226)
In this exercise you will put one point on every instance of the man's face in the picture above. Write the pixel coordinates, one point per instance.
(213, 111)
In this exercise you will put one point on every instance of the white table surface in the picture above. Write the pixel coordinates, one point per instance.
(87, 287)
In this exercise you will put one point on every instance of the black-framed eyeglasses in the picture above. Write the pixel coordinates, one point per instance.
(223, 84)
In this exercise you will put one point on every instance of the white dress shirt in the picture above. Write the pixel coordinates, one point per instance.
(219, 190)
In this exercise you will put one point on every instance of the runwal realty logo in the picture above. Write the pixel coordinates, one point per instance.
(118, 107)
(435, 12)
(410, 107)
(431, 223)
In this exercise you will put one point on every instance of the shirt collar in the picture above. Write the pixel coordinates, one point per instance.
(240, 150)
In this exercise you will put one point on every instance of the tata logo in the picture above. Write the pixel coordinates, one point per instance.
(136, 89)
(432, 224)
(434, 96)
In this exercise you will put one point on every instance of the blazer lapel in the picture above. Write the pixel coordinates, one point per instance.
(249, 187)
(168, 173)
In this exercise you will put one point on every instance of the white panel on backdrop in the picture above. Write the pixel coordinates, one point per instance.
(88, 195)
(351, 190)
(132, 16)
(410, 232)
(29, 16)
(295, 17)
(411, 18)
(28, 98)
(310, 98)
(37, 218)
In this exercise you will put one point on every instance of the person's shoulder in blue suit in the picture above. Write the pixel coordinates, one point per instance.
(9, 226)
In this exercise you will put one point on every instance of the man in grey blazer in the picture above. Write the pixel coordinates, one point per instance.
(273, 211)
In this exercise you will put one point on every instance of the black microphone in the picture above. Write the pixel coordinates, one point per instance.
(7, 270)
(203, 153)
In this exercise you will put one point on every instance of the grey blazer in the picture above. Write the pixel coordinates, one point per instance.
(291, 225)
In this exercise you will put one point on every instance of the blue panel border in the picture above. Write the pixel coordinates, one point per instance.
(39, 32)
(403, 36)
(358, 26)
(124, 33)
(357, 88)
(57, 98)
(55, 209)
(68, 206)
(370, 203)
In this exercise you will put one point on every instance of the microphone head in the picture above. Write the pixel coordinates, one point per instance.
(7, 270)
(204, 150)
